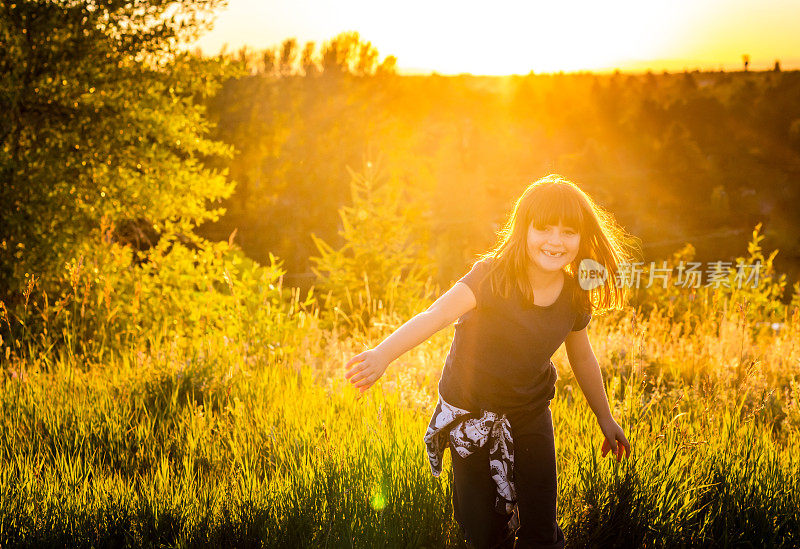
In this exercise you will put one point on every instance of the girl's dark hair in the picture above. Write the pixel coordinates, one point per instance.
(549, 201)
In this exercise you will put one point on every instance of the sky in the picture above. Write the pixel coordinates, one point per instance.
(517, 37)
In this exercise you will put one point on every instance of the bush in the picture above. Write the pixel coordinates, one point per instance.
(382, 265)
(748, 286)
(184, 290)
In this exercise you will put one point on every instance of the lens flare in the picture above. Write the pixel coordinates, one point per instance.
(378, 499)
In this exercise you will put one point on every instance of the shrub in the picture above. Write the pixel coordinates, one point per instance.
(182, 290)
(382, 265)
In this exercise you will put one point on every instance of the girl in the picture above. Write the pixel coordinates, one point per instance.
(515, 307)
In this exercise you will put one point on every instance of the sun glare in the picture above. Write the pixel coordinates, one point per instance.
(517, 37)
(538, 36)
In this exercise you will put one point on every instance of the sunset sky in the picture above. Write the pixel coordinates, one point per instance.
(506, 37)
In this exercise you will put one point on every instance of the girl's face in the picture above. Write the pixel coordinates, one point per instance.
(552, 247)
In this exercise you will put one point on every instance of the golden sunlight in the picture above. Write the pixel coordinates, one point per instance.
(542, 37)
(516, 37)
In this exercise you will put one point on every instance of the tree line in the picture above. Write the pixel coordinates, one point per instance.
(693, 156)
(112, 131)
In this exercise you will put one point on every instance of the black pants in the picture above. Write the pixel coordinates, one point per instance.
(535, 482)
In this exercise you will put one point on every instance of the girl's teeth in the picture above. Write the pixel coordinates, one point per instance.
(552, 254)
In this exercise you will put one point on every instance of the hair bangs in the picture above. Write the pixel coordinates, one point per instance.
(557, 203)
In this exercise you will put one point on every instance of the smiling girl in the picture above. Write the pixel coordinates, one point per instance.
(515, 307)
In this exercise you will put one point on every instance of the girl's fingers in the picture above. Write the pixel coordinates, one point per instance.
(361, 374)
(623, 443)
(351, 373)
(623, 447)
(363, 379)
(353, 360)
(367, 382)
(618, 445)
(615, 449)
(357, 368)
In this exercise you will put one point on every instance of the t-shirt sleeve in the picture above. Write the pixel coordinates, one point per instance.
(477, 281)
(581, 321)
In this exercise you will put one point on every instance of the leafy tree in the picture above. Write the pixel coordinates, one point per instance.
(382, 264)
(102, 117)
(295, 126)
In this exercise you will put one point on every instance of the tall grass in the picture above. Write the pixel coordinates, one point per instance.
(220, 440)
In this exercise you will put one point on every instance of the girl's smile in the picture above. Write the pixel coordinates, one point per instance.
(552, 247)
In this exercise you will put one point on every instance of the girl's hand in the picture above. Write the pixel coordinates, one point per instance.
(369, 367)
(614, 439)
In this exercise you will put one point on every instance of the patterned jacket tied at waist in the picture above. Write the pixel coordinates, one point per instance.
(466, 432)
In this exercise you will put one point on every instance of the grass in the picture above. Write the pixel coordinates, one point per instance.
(216, 441)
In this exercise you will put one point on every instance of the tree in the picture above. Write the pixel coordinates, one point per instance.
(102, 119)
(295, 128)
(382, 263)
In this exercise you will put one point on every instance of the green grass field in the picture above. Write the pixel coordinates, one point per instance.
(216, 442)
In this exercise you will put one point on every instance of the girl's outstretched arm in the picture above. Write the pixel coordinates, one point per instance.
(371, 364)
(587, 372)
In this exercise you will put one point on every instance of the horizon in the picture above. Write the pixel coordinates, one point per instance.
(680, 36)
(412, 71)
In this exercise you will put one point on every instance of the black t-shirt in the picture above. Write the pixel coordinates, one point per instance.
(500, 358)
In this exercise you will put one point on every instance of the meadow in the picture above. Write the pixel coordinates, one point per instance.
(166, 381)
(247, 434)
